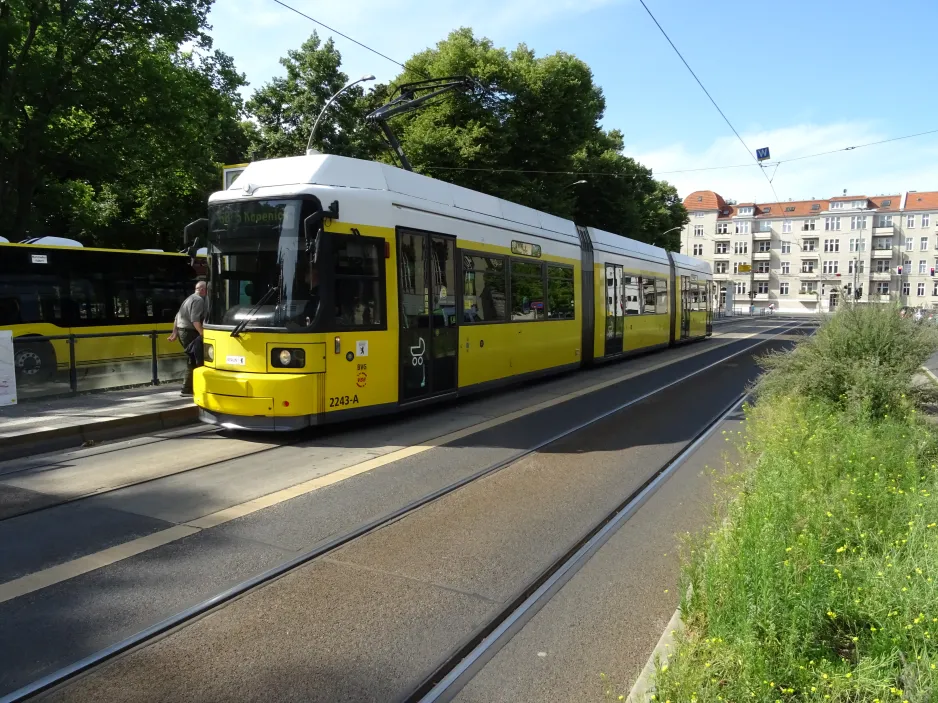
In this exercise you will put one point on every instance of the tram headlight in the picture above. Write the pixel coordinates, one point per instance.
(292, 358)
(209, 352)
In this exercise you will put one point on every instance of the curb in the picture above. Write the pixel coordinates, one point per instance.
(43, 441)
(644, 684)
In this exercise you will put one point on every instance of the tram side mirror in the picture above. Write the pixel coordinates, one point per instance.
(191, 230)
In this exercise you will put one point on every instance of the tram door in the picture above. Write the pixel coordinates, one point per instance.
(685, 306)
(708, 301)
(615, 309)
(429, 336)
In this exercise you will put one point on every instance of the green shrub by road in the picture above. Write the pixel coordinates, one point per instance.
(821, 583)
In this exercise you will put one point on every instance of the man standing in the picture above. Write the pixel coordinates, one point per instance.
(188, 327)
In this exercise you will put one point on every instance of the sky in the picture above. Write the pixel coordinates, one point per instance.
(797, 76)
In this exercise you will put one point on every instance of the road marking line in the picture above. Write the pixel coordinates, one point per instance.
(82, 565)
(62, 572)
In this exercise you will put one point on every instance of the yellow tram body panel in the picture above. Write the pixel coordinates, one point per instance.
(495, 352)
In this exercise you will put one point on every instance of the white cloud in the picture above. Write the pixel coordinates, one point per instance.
(886, 168)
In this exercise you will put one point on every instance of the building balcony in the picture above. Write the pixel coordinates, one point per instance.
(881, 275)
(761, 296)
(888, 230)
(830, 276)
(809, 253)
(808, 297)
(807, 274)
(762, 235)
(721, 276)
(761, 255)
(882, 253)
(764, 276)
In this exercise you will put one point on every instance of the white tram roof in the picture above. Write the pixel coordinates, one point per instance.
(328, 170)
(690, 263)
(343, 172)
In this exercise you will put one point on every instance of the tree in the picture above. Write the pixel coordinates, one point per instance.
(528, 136)
(286, 108)
(108, 132)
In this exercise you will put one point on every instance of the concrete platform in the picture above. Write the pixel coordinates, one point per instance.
(46, 425)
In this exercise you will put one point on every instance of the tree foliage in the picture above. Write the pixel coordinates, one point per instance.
(109, 132)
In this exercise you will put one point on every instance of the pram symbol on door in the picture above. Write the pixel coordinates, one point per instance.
(416, 359)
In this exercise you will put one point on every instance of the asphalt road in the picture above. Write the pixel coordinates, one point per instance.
(373, 618)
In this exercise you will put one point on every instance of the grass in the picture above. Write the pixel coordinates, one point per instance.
(821, 583)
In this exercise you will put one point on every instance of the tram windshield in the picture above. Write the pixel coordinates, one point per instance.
(263, 273)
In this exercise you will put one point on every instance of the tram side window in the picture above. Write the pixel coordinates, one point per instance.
(484, 286)
(527, 291)
(661, 289)
(30, 299)
(88, 299)
(649, 295)
(631, 287)
(358, 295)
(560, 293)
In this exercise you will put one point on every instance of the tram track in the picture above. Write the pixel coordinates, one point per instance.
(48, 464)
(192, 614)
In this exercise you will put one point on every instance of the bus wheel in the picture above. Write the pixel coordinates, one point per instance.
(34, 362)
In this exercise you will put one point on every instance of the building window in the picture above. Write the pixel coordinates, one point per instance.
(882, 244)
(831, 224)
(764, 247)
(699, 214)
(858, 204)
(721, 248)
(762, 288)
(934, 290)
(807, 267)
(745, 211)
(925, 220)
(909, 243)
(809, 226)
(698, 230)
(882, 266)
(882, 287)
(786, 267)
(786, 226)
(921, 266)
(765, 226)
(831, 245)
(855, 265)
(783, 288)
(910, 222)
(790, 208)
(808, 287)
(921, 289)
(762, 267)
(740, 288)
(740, 247)
(808, 245)
(831, 266)
(720, 267)
(742, 227)
(723, 227)
(838, 205)
(923, 245)
(884, 221)
(906, 287)
(698, 250)
(786, 247)
(858, 222)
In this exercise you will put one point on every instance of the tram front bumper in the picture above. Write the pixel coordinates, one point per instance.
(257, 401)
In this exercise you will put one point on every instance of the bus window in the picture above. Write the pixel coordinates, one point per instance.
(30, 299)
(88, 299)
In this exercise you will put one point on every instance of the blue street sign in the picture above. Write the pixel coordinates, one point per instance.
(762, 154)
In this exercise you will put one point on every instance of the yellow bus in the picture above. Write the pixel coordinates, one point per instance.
(67, 289)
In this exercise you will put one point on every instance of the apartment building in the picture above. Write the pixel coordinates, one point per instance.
(809, 255)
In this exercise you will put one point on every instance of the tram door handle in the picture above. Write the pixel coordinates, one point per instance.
(338, 345)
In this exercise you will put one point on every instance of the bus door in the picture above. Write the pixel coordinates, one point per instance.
(615, 310)
(685, 306)
(429, 336)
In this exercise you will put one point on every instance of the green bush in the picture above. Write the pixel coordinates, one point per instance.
(822, 582)
(861, 359)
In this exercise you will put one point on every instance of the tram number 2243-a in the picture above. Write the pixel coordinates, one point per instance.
(340, 400)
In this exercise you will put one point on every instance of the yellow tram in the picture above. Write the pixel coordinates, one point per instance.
(342, 288)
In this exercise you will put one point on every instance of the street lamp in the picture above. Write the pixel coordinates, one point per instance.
(309, 145)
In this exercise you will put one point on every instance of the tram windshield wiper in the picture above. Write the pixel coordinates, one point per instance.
(253, 311)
